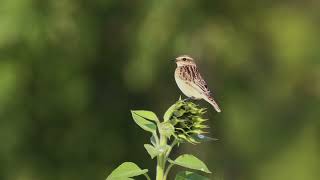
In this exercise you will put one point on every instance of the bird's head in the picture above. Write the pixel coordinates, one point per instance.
(185, 60)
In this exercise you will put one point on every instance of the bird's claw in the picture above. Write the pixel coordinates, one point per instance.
(187, 99)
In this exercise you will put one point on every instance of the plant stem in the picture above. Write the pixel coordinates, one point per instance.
(156, 137)
(167, 155)
(147, 176)
(160, 169)
(167, 171)
(161, 159)
(171, 146)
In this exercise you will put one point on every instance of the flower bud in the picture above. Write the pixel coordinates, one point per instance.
(187, 120)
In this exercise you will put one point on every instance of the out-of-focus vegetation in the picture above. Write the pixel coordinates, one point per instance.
(70, 71)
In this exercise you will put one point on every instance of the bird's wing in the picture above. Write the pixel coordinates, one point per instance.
(201, 83)
(191, 74)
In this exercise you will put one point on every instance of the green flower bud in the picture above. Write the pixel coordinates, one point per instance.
(187, 120)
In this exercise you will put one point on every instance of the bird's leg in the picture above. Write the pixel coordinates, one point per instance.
(189, 98)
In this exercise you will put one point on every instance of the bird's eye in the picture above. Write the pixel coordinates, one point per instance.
(184, 59)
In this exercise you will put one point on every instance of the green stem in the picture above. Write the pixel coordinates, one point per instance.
(160, 169)
(156, 138)
(171, 147)
(147, 176)
(167, 171)
(161, 160)
(166, 156)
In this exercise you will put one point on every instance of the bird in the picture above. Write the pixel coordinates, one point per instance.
(190, 81)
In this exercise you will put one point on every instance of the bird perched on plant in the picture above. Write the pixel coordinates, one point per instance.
(190, 81)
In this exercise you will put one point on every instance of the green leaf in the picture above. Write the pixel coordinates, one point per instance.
(187, 175)
(147, 115)
(143, 123)
(153, 152)
(166, 129)
(153, 140)
(169, 112)
(125, 171)
(190, 161)
(163, 148)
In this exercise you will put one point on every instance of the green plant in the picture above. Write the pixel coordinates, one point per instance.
(182, 123)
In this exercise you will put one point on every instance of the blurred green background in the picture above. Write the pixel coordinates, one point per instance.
(70, 71)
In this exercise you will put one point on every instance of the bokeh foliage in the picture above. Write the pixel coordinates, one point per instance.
(71, 70)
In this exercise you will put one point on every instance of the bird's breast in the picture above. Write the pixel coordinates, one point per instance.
(185, 84)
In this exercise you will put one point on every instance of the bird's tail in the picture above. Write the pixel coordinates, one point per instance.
(213, 103)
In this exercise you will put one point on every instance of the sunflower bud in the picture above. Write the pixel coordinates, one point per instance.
(187, 120)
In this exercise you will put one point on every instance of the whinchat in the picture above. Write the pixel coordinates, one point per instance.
(190, 81)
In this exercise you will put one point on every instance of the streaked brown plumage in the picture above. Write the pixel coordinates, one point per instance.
(191, 82)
